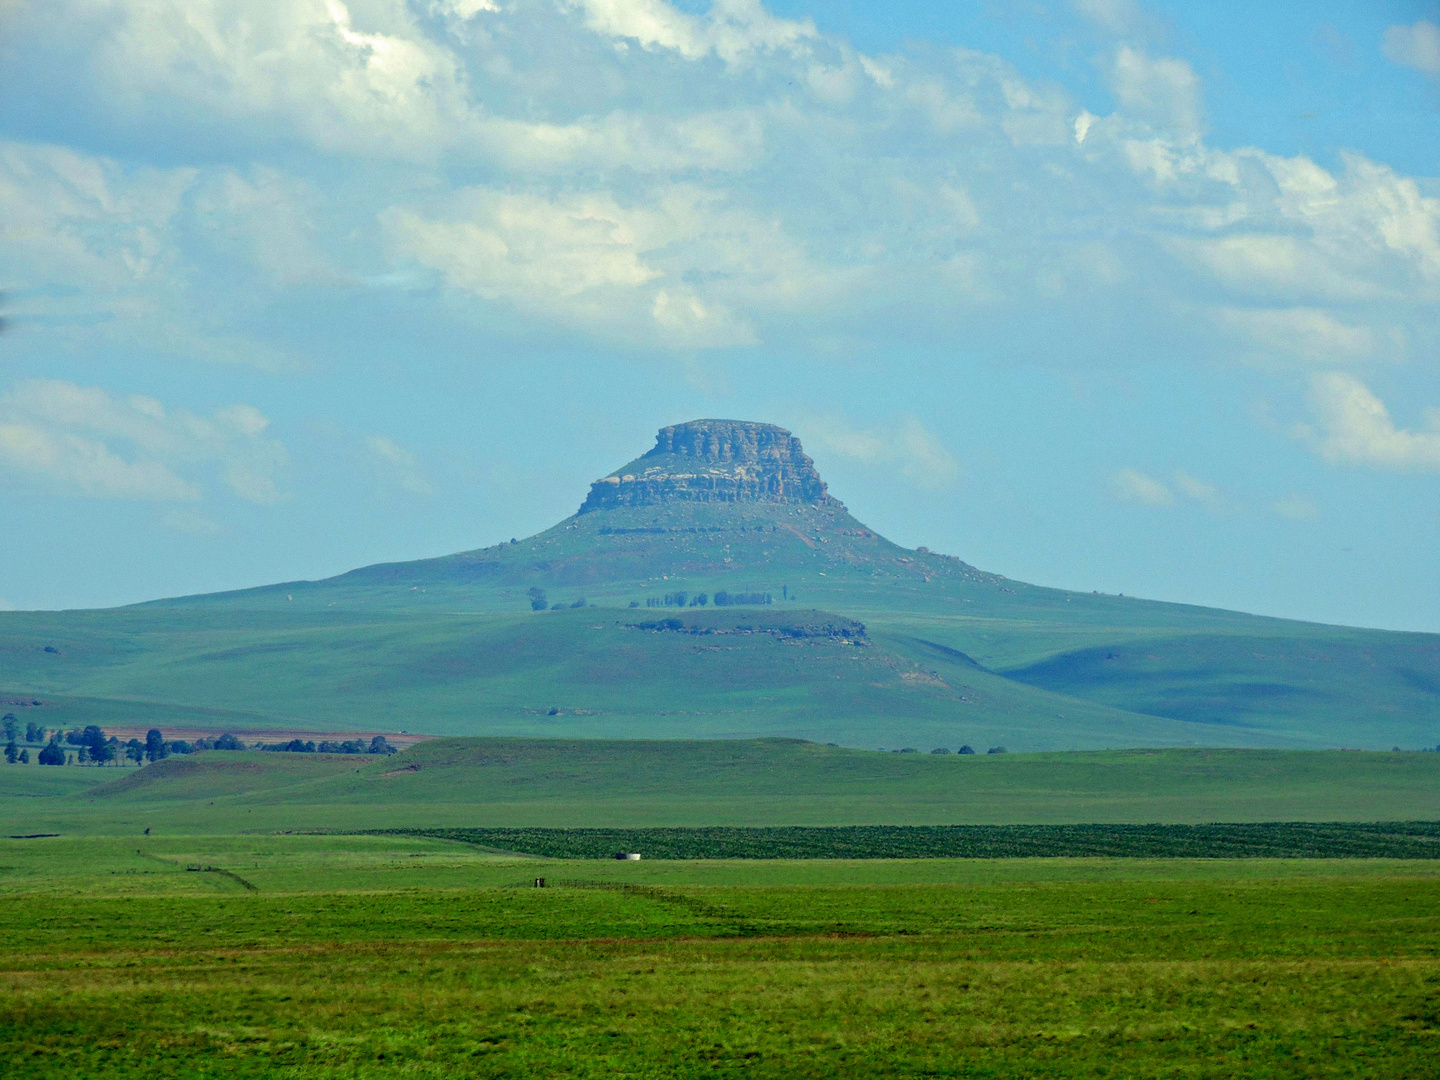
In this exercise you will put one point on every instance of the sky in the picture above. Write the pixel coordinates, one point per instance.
(1099, 294)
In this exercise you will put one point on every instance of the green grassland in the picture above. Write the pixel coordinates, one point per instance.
(566, 783)
(393, 956)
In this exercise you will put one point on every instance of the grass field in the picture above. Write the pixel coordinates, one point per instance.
(313, 956)
(473, 783)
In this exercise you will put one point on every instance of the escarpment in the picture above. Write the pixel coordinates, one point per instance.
(714, 461)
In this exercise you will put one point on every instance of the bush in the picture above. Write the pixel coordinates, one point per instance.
(996, 750)
(227, 742)
(179, 746)
(940, 750)
(966, 749)
(24, 757)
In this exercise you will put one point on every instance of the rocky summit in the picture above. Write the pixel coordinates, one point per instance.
(716, 461)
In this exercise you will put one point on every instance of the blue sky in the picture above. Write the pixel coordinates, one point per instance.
(1107, 295)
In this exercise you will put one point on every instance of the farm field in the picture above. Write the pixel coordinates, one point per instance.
(380, 956)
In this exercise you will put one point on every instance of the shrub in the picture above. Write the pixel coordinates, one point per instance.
(966, 749)
(940, 750)
(996, 750)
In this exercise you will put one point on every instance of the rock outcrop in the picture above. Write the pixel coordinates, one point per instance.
(714, 461)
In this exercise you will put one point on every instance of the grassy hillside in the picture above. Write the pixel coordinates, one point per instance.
(571, 783)
(949, 655)
(898, 680)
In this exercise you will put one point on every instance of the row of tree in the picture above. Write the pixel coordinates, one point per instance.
(90, 745)
(723, 598)
(378, 745)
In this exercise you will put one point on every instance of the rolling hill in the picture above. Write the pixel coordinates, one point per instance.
(595, 628)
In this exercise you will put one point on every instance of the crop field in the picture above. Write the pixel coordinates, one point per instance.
(1279, 840)
(358, 956)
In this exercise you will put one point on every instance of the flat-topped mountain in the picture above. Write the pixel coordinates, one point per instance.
(714, 461)
(682, 600)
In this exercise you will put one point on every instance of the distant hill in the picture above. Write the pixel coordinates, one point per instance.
(725, 528)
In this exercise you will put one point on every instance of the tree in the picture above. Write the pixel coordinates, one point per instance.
(154, 745)
(379, 745)
(12, 752)
(537, 598)
(24, 757)
(966, 749)
(93, 740)
(227, 742)
(34, 732)
(135, 751)
(12, 726)
(53, 753)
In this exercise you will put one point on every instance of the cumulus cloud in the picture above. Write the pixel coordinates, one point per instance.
(1353, 427)
(1416, 46)
(647, 175)
(909, 446)
(1163, 91)
(398, 466)
(84, 441)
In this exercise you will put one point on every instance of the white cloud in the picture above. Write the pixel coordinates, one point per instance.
(366, 81)
(731, 29)
(82, 440)
(1416, 46)
(1132, 485)
(646, 176)
(1162, 91)
(1309, 335)
(1353, 427)
(1297, 507)
(620, 270)
(921, 458)
(1197, 489)
(398, 465)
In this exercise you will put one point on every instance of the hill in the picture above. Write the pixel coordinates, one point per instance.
(549, 635)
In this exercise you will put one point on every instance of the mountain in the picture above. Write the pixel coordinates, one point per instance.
(714, 587)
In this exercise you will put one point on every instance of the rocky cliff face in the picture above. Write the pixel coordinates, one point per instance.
(714, 461)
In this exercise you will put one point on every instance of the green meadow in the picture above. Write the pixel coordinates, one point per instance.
(568, 783)
(226, 914)
(312, 956)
